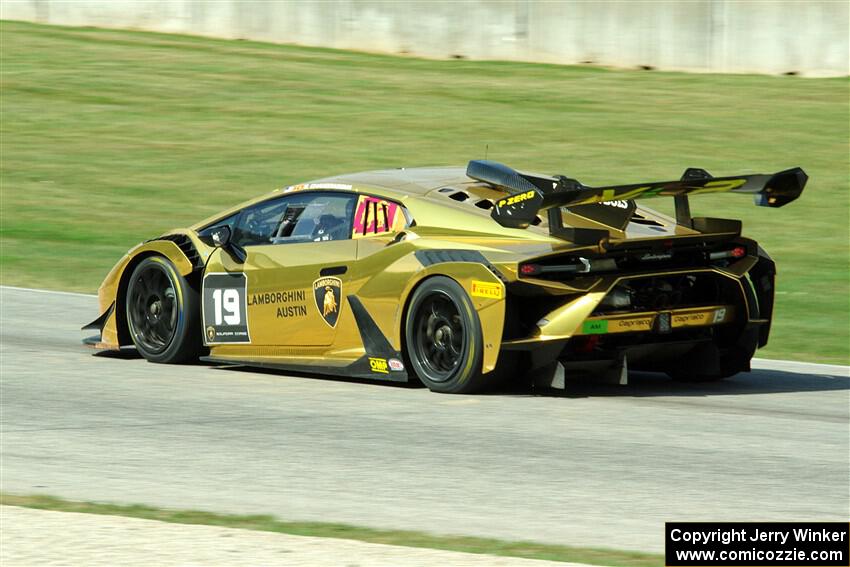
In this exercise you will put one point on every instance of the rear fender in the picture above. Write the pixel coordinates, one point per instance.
(487, 293)
(763, 276)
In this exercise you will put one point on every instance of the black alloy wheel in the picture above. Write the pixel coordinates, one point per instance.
(162, 312)
(439, 336)
(152, 308)
(443, 337)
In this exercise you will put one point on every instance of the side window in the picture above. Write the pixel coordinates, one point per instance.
(229, 222)
(374, 216)
(258, 223)
(304, 217)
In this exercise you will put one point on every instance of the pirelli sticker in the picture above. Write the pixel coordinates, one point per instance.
(486, 289)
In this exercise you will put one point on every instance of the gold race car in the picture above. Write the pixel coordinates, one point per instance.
(458, 278)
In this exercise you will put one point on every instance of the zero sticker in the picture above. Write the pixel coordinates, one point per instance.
(485, 289)
(225, 309)
(514, 199)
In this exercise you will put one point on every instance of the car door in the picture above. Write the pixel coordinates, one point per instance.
(292, 284)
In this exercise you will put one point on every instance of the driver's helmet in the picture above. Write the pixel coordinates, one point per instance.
(329, 227)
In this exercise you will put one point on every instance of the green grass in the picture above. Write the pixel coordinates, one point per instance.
(111, 137)
(264, 523)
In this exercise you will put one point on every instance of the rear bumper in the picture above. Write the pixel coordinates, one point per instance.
(658, 321)
(734, 314)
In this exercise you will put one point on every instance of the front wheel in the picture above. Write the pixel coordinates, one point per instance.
(443, 337)
(163, 312)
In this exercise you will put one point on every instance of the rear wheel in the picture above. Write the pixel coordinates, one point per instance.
(163, 312)
(443, 337)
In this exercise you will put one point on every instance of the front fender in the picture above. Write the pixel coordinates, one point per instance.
(110, 294)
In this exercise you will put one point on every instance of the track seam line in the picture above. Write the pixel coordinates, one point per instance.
(34, 290)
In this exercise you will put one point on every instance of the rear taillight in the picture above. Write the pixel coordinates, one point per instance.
(571, 266)
(736, 252)
(529, 269)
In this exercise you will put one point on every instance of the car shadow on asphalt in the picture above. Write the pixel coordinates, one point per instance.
(641, 384)
(651, 384)
(124, 353)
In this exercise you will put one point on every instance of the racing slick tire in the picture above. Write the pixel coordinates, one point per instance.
(443, 338)
(163, 313)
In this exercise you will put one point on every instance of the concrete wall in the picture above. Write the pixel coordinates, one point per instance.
(762, 36)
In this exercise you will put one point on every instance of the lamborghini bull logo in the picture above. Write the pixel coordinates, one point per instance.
(330, 302)
(328, 293)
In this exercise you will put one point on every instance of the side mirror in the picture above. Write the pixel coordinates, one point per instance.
(219, 237)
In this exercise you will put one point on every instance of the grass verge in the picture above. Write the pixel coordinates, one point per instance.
(111, 137)
(265, 523)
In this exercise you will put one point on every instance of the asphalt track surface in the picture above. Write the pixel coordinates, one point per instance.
(604, 466)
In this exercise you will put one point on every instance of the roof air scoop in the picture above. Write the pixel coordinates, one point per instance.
(528, 193)
(499, 174)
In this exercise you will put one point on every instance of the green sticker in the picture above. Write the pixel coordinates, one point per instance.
(594, 327)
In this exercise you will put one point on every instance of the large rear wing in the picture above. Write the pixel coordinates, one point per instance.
(531, 194)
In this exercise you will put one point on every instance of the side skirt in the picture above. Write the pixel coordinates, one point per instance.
(381, 361)
(360, 368)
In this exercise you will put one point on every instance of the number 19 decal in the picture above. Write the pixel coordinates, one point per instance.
(225, 309)
(231, 306)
